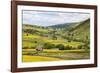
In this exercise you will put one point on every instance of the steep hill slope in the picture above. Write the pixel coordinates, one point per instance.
(82, 31)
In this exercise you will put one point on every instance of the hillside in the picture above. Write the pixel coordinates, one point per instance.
(82, 31)
(65, 26)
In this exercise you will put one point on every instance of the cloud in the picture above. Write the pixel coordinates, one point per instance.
(43, 18)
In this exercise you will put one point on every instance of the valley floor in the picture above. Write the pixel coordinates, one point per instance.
(27, 58)
(54, 55)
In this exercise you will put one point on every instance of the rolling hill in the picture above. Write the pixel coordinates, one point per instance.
(82, 30)
(65, 26)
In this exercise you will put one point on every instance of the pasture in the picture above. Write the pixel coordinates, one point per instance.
(30, 55)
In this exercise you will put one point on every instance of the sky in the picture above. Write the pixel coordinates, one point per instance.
(48, 18)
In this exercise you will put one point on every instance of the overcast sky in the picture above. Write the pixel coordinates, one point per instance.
(44, 18)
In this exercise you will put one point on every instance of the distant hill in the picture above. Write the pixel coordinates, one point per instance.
(65, 26)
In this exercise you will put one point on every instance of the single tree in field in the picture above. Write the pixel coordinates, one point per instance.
(27, 34)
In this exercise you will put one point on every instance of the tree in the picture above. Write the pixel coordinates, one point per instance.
(68, 47)
(48, 46)
(60, 46)
(25, 47)
(80, 47)
(27, 34)
(54, 35)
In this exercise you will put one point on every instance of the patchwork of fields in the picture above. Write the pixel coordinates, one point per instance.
(56, 43)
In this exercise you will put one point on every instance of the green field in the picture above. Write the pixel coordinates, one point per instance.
(56, 43)
(27, 58)
(30, 55)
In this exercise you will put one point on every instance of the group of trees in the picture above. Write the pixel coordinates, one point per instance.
(62, 47)
(31, 31)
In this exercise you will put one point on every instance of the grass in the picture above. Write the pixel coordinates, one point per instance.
(29, 55)
(27, 58)
(29, 41)
(30, 36)
(55, 51)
